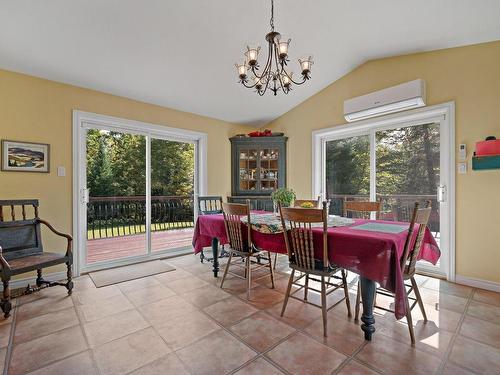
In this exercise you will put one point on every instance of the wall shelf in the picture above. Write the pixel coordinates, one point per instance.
(485, 162)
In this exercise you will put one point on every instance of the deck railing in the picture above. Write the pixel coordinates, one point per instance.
(122, 216)
(395, 207)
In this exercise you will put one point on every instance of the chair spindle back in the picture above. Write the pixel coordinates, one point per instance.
(421, 217)
(209, 205)
(234, 227)
(361, 209)
(297, 229)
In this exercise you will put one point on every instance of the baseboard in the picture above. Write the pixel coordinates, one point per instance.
(23, 283)
(478, 283)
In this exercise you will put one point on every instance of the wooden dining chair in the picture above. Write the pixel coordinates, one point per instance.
(361, 209)
(241, 245)
(298, 232)
(419, 219)
(316, 203)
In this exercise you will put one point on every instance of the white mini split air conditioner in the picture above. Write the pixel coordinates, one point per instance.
(402, 97)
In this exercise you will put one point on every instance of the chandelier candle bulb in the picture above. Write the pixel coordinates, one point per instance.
(252, 54)
(242, 70)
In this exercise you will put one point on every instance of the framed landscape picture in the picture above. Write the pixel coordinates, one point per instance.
(25, 156)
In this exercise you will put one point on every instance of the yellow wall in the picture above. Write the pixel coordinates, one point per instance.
(468, 75)
(38, 110)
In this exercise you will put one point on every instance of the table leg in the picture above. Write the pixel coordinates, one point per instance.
(367, 295)
(215, 250)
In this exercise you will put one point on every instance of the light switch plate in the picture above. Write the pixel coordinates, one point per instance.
(61, 171)
(462, 152)
(462, 168)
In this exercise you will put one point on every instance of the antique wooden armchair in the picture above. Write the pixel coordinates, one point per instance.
(21, 249)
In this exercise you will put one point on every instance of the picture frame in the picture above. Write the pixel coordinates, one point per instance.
(19, 156)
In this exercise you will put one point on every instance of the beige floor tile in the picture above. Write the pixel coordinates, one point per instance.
(167, 365)
(261, 331)
(49, 303)
(151, 294)
(261, 367)
(94, 296)
(42, 325)
(481, 330)
(137, 284)
(484, 311)
(393, 357)
(297, 314)
(4, 335)
(487, 296)
(130, 352)
(448, 287)
(235, 285)
(113, 327)
(477, 357)
(79, 364)
(105, 307)
(428, 337)
(300, 354)
(442, 300)
(167, 277)
(186, 329)
(36, 353)
(442, 318)
(161, 312)
(82, 283)
(450, 369)
(185, 285)
(217, 353)
(205, 296)
(343, 335)
(355, 368)
(229, 311)
(262, 297)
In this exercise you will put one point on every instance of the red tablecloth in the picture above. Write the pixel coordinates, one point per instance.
(373, 255)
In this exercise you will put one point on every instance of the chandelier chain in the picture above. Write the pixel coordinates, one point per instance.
(271, 22)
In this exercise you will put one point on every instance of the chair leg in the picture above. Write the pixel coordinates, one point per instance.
(249, 275)
(275, 260)
(288, 289)
(409, 319)
(419, 298)
(346, 293)
(306, 288)
(69, 276)
(323, 304)
(358, 301)
(271, 269)
(227, 267)
(39, 278)
(6, 304)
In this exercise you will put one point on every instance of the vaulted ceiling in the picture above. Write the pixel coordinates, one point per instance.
(181, 54)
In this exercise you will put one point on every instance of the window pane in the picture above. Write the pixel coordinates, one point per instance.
(347, 171)
(408, 171)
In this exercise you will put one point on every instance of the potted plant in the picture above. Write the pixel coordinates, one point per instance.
(283, 196)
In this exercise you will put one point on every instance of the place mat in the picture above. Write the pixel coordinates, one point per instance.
(381, 227)
(126, 273)
(270, 223)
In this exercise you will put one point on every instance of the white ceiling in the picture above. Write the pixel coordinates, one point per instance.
(181, 54)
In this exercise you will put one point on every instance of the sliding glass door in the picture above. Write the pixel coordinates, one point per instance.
(139, 193)
(398, 165)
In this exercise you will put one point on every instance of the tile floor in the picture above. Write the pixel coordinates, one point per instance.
(180, 322)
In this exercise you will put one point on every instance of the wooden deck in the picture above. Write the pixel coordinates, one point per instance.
(125, 246)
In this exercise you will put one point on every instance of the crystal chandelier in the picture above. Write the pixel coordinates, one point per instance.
(274, 76)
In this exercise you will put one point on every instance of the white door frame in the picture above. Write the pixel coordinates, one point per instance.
(85, 120)
(441, 113)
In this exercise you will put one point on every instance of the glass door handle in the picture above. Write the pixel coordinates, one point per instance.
(441, 193)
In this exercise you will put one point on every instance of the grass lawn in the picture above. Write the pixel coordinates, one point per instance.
(125, 230)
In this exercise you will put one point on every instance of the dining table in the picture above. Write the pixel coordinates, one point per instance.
(370, 248)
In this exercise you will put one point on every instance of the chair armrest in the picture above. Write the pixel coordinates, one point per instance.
(55, 231)
(3, 263)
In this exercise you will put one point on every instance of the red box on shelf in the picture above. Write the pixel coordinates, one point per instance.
(484, 148)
